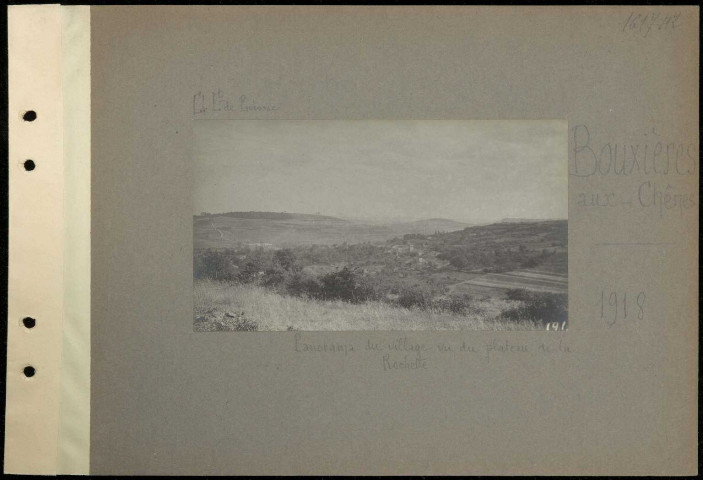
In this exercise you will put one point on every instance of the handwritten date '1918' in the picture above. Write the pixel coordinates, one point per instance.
(615, 306)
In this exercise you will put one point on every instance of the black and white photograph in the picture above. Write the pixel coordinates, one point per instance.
(380, 225)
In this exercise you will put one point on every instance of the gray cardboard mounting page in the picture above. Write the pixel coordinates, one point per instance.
(393, 240)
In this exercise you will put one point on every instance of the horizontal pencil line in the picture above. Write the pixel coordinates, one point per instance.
(633, 243)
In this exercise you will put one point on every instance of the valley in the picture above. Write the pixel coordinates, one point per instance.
(444, 256)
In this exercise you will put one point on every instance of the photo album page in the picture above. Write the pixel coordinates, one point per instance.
(352, 240)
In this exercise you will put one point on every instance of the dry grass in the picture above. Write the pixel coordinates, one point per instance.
(273, 312)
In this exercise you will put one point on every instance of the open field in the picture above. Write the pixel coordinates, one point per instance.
(544, 283)
(220, 306)
(497, 284)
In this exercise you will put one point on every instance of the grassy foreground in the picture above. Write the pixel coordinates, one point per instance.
(219, 306)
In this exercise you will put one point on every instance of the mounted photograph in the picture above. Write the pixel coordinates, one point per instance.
(386, 225)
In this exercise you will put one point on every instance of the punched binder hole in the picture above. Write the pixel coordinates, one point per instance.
(29, 322)
(29, 371)
(29, 165)
(29, 116)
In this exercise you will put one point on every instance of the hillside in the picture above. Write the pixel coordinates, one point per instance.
(503, 247)
(483, 259)
(276, 216)
(275, 230)
(430, 226)
(536, 234)
(522, 220)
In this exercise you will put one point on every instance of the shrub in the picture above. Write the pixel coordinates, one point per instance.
(285, 259)
(416, 296)
(300, 285)
(542, 308)
(530, 263)
(213, 265)
(250, 272)
(273, 278)
(517, 294)
(458, 305)
(346, 285)
(458, 262)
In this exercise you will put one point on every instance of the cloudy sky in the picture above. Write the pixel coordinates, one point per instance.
(461, 170)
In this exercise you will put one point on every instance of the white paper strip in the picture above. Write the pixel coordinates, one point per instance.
(74, 411)
(36, 235)
(48, 414)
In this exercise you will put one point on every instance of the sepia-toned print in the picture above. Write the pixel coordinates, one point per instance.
(380, 225)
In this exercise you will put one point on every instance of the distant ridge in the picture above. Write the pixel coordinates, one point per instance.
(436, 224)
(279, 229)
(273, 216)
(438, 220)
(526, 220)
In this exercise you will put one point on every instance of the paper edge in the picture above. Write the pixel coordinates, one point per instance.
(74, 407)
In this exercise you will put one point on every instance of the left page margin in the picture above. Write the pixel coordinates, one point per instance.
(47, 414)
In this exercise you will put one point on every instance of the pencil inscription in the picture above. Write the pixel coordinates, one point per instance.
(614, 306)
(654, 155)
(219, 101)
(643, 25)
(403, 354)
(649, 154)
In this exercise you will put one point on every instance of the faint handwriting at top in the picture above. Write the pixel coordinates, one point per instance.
(644, 24)
(218, 101)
